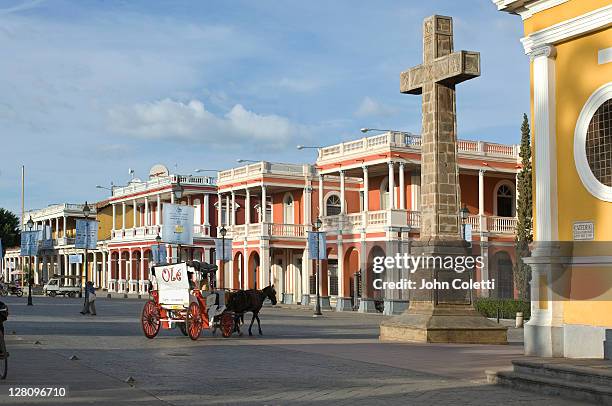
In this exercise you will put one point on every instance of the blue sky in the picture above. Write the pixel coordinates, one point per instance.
(89, 89)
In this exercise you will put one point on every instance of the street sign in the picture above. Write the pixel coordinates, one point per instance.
(86, 234)
(317, 246)
(226, 251)
(467, 232)
(75, 259)
(177, 225)
(29, 243)
(159, 256)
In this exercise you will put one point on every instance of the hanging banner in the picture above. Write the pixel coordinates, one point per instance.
(177, 226)
(467, 232)
(86, 234)
(75, 259)
(46, 239)
(317, 245)
(221, 251)
(159, 254)
(29, 243)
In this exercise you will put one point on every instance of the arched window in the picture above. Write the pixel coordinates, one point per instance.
(333, 205)
(505, 201)
(288, 209)
(384, 194)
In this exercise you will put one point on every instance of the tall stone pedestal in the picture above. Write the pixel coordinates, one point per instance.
(441, 315)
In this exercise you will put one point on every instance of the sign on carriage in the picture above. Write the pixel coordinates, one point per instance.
(172, 284)
(317, 245)
(177, 225)
(29, 243)
(86, 234)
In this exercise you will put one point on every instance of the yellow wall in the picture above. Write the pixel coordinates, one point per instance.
(562, 12)
(578, 75)
(105, 222)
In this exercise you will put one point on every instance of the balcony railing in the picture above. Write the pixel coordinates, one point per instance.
(155, 183)
(264, 167)
(148, 232)
(396, 139)
(58, 210)
(257, 230)
(412, 219)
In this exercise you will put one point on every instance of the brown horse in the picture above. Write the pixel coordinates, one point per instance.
(251, 300)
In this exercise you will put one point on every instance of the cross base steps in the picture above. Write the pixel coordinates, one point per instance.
(459, 324)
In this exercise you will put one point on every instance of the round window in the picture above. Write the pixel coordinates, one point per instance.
(593, 144)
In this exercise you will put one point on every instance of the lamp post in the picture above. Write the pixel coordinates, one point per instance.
(223, 232)
(464, 213)
(317, 225)
(367, 130)
(158, 241)
(178, 194)
(86, 212)
(30, 224)
(241, 161)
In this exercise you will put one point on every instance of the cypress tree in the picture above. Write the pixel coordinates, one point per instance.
(524, 211)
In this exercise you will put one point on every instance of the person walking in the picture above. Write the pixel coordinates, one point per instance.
(86, 302)
(92, 299)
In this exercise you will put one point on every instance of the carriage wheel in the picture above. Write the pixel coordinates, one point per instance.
(227, 324)
(150, 319)
(194, 321)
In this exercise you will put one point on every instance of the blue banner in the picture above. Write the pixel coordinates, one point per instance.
(160, 255)
(86, 234)
(75, 259)
(317, 246)
(46, 241)
(29, 243)
(177, 226)
(225, 252)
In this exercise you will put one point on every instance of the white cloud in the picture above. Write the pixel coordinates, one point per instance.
(170, 119)
(370, 107)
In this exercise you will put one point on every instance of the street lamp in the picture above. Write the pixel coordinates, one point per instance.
(206, 170)
(464, 213)
(366, 130)
(246, 160)
(317, 226)
(223, 232)
(86, 213)
(178, 194)
(30, 224)
(158, 241)
(301, 147)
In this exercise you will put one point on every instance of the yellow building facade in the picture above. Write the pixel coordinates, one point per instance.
(569, 43)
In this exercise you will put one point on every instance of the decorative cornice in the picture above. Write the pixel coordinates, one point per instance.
(591, 21)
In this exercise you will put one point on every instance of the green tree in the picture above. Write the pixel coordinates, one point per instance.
(9, 229)
(524, 227)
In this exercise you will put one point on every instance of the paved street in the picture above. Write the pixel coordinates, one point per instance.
(299, 360)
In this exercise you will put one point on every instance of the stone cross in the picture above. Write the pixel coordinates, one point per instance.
(435, 79)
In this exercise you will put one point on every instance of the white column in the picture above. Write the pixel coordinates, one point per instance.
(402, 191)
(146, 211)
(544, 129)
(342, 195)
(206, 209)
(104, 281)
(307, 208)
(123, 216)
(219, 210)
(134, 212)
(481, 209)
(264, 204)
(391, 204)
(415, 191)
(227, 211)
(57, 227)
(95, 268)
(66, 266)
(142, 267)
(233, 217)
(129, 276)
(64, 229)
(109, 268)
(366, 187)
(171, 197)
(247, 207)
(321, 193)
(158, 210)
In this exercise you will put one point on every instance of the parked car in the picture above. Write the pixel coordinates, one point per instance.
(61, 286)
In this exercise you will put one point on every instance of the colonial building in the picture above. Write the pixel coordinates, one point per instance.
(569, 43)
(366, 192)
(131, 219)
